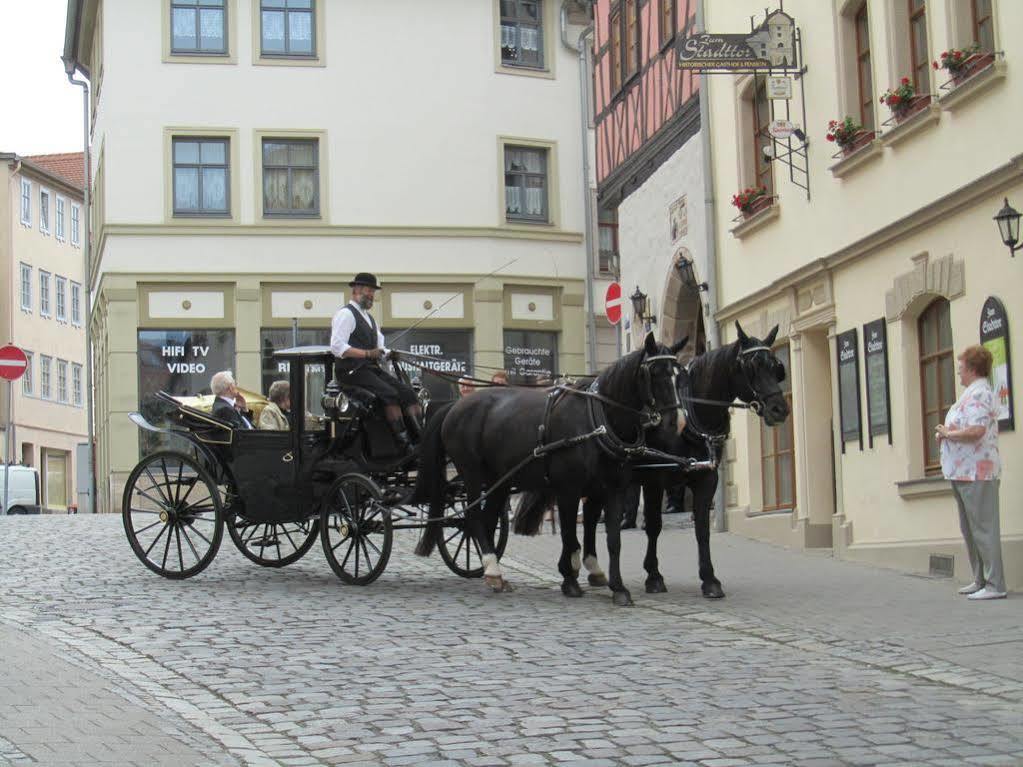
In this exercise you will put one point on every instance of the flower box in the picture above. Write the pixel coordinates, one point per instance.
(911, 107)
(977, 62)
(861, 139)
(759, 204)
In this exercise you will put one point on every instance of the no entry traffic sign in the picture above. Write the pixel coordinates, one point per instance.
(13, 363)
(613, 303)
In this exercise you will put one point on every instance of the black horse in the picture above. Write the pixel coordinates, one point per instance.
(494, 435)
(746, 370)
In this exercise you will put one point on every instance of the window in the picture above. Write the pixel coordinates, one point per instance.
(26, 202)
(777, 451)
(27, 383)
(198, 27)
(668, 22)
(918, 63)
(76, 223)
(607, 228)
(44, 211)
(522, 33)
(201, 177)
(864, 79)
(525, 184)
(631, 55)
(291, 177)
(983, 25)
(61, 205)
(614, 53)
(62, 381)
(76, 304)
(44, 293)
(761, 138)
(26, 288)
(937, 375)
(60, 291)
(76, 384)
(288, 28)
(45, 363)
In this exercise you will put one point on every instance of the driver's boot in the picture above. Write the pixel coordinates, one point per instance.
(401, 436)
(415, 428)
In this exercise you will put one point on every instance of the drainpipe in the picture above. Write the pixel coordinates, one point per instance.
(709, 207)
(584, 84)
(90, 426)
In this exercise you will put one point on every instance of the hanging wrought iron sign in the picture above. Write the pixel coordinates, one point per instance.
(994, 335)
(774, 45)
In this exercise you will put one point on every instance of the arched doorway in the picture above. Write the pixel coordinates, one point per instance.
(683, 312)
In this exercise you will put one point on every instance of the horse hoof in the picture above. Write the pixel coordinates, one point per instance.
(596, 580)
(622, 599)
(570, 588)
(498, 584)
(656, 586)
(713, 591)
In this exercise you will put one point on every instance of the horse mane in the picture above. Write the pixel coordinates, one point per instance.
(617, 380)
(710, 377)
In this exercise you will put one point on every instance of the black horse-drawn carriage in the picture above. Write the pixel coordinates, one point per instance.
(336, 474)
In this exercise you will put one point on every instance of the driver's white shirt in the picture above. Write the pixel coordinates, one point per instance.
(342, 327)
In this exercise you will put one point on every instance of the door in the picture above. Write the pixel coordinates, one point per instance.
(55, 480)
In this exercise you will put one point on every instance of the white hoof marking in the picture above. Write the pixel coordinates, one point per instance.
(490, 566)
(592, 565)
(576, 561)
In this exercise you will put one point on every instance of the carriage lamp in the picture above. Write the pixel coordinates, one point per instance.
(641, 307)
(687, 274)
(1008, 227)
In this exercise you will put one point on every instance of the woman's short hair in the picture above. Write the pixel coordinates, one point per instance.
(500, 377)
(978, 359)
(279, 391)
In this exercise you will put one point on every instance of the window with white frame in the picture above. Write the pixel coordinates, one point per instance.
(27, 382)
(60, 291)
(44, 211)
(45, 367)
(26, 202)
(62, 381)
(76, 225)
(76, 384)
(76, 304)
(60, 210)
(44, 293)
(26, 288)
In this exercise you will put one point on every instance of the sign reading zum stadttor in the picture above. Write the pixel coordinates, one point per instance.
(772, 45)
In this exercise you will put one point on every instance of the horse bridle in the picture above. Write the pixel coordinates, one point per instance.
(759, 401)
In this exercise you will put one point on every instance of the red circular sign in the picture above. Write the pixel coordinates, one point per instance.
(13, 363)
(613, 303)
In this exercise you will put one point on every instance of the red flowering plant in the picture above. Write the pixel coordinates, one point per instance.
(955, 59)
(898, 99)
(744, 200)
(843, 132)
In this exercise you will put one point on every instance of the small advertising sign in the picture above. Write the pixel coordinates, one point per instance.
(994, 335)
(875, 365)
(849, 387)
(779, 88)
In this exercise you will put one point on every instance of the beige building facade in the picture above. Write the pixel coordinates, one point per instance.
(880, 264)
(247, 162)
(41, 230)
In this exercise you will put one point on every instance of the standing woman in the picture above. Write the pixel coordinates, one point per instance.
(969, 458)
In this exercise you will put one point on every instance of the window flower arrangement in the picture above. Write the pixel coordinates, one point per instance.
(898, 99)
(844, 132)
(748, 197)
(955, 59)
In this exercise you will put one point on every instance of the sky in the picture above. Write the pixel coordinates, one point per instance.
(40, 111)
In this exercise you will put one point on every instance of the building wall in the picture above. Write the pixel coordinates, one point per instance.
(43, 425)
(883, 233)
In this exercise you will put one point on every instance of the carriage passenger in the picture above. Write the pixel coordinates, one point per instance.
(275, 415)
(229, 404)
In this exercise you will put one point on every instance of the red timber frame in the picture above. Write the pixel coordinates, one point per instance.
(645, 115)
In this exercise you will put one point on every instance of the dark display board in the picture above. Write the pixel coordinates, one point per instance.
(994, 335)
(848, 387)
(530, 355)
(449, 353)
(875, 365)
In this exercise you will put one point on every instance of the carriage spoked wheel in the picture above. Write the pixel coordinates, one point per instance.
(355, 528)
(173, 515)
(457, 548)
(273, 544)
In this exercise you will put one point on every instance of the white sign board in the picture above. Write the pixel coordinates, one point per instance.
(781, 129)
(779, 87)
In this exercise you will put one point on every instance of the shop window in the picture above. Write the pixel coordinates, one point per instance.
(778, 451)
(937, 375)
(530, 355)
(274, 339)
(448, 352)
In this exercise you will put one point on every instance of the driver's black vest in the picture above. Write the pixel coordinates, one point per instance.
(363, 337)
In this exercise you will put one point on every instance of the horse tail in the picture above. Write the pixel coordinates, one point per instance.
(529, 514)
(431, 478)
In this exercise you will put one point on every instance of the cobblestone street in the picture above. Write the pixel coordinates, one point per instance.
(808, 661)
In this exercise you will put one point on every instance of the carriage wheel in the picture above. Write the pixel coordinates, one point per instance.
(355, 529)
(460, 552)
(172, 515)
(273, 544)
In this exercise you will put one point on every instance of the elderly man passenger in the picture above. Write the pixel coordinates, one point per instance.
(228, 399)
(275, 415)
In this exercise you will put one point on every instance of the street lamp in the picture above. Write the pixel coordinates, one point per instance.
(641, 307)
(688, 275)
(1008, 227)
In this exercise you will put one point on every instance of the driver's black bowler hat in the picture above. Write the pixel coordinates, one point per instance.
(367, 279)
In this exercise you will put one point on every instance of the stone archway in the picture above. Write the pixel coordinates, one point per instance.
(683, 312)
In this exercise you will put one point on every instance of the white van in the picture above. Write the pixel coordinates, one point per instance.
(24, 495)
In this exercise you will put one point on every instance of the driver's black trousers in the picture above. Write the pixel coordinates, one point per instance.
(388, 389)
